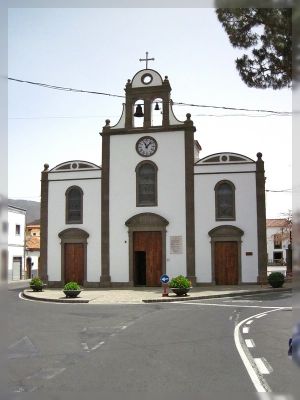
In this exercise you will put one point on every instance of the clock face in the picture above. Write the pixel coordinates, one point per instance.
(146, 146)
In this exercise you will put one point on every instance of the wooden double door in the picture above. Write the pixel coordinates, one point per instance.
(74, 262)
(226, 263)
(147, 258)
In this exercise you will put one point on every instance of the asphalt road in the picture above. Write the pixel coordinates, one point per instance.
(196, 349)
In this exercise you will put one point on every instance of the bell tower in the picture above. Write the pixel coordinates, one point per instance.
(141, 93)
(147, 179)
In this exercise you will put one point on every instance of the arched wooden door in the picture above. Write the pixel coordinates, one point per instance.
(74, 255)
(226, 263)
(226, 254)
(147, 249)
(74, 262)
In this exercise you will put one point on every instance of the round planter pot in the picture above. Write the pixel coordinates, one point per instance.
(180, 291)
(37, 288)
(72, 293)
(277, 284)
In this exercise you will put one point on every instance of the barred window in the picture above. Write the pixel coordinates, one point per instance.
(225, 200)
(74, 205)
(146, 184)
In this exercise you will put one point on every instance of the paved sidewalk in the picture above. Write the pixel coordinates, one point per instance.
(148, 295)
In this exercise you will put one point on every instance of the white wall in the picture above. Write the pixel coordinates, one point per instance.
(34, 255)
(246, 217)
(170, 161)
(15, 242)
(271, 231)
(91, 187)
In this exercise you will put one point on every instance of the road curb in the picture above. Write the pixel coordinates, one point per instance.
(28, 296)
(215, 296)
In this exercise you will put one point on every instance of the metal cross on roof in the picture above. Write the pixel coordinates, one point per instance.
(147, 59)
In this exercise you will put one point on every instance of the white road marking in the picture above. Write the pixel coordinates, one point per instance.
(260, 316)
(87, 349)
(124, 327)
(249, 343)
(97, 345)
(245, 329)
(231, 305)
(249, 322)
(258, 380)
(230, 317)
(261, 366)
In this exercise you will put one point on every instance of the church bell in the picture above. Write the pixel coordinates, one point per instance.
(156, 106)
(138, 111)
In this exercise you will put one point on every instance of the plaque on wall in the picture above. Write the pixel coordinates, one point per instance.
(176, 246)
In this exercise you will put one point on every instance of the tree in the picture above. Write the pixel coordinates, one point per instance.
(266, 33)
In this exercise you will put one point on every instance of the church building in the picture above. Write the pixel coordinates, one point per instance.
(154, 206)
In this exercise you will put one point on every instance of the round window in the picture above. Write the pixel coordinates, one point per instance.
(224, 158)
(147, 79)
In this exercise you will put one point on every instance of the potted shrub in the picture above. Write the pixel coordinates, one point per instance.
(276, 279)
(36, 284)
(180, 285)
(72, 289)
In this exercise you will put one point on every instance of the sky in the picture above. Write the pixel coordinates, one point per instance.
(98, 49)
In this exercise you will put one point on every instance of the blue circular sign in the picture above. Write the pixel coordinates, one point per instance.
(164, 278)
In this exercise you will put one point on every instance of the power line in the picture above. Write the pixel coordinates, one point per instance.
(48, 86)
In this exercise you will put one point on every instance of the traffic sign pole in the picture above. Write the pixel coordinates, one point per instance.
(165, 292)
(164, 279)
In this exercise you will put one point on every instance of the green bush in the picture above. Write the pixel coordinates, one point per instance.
(71, 286)
(36, 281)
(180, 282)
(276, 279)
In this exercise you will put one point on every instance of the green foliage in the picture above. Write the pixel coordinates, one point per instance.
(36, 281)
(266, 33)
(276, 279)
(71, 286)
(180, 282)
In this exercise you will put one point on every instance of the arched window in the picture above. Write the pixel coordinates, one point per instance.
(74, 196)
(225, 200)
(146, 184)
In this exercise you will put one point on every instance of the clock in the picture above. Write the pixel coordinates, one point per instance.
(146, 146)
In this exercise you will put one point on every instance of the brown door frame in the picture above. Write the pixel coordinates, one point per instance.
(226, 233)
(73, 235)
(147, 222)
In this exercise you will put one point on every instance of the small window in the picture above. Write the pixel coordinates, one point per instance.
(74, 205)
(146, 184)
(18, 229)
(225, 200)
(277, 241)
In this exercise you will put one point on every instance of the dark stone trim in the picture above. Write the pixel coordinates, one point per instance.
(73, 235)
(72, 179)
(189, 199)
(218, 218)
(43, 265)
(146, 222)
(155, 203)
(105, 279)
(149, 130)
(226, 233)
(261, 220)
(55, 284)
(80, 221)
(224, 172)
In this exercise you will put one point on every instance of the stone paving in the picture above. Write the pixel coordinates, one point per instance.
(147, 295)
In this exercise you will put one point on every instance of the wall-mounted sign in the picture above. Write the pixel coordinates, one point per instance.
(176, 246)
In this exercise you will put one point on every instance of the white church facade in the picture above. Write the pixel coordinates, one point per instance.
(154, 206)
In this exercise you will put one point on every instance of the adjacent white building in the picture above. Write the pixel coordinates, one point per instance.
(154, 206)
(16, 242)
